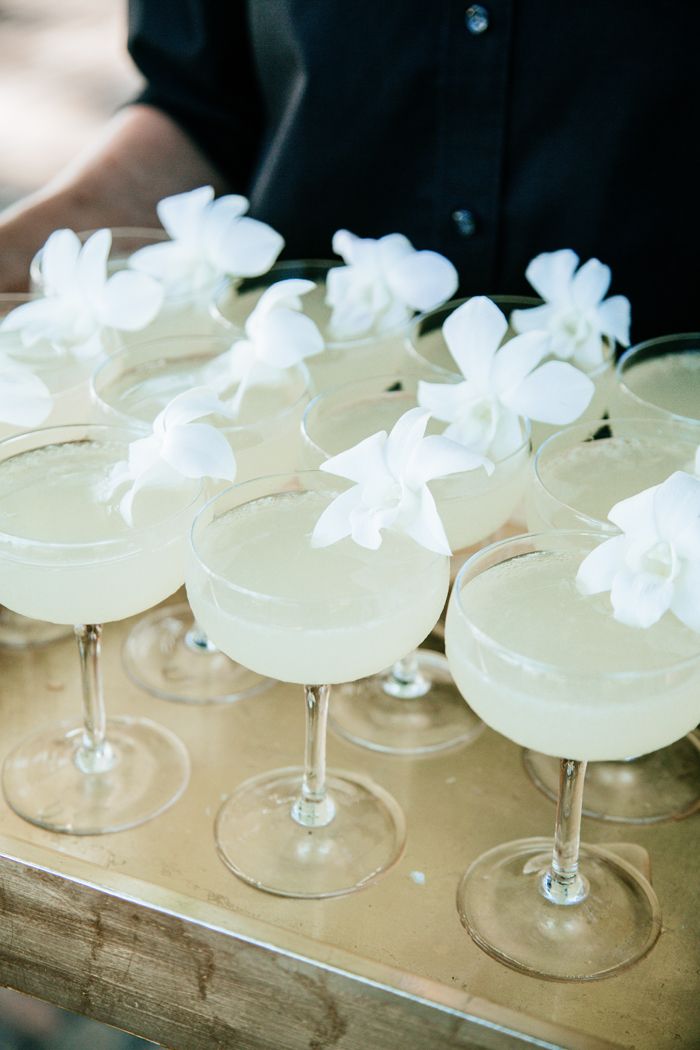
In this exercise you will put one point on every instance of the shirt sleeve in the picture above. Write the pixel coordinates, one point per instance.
(197, 60)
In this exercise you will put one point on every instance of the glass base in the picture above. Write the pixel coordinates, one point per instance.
(20, 632)
(372, 713)
(664, 785)
(43, 784)
(161, 656)
(500, 904)
(260, 841)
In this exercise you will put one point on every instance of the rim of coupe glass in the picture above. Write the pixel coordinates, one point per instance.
(266, 487)
(561, 437)
(651, 348)
(436, 318)
(533, 539)
(293, 265)
(137, 348)
(83, 433)
(389, 377)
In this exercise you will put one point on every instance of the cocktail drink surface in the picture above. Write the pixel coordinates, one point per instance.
(343, 359)
(581, 472)
(67, 554)
(300, 614)
(553, 670)
(167, 653)
(661, 377)
(313, 616)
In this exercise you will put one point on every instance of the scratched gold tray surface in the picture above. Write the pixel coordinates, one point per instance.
(147, 930)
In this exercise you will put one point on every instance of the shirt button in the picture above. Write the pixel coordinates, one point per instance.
(465, 221)
(476, 19)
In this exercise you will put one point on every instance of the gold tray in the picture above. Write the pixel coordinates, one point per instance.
(147, 929)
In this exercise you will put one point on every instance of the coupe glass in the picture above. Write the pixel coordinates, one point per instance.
(426, 344)
(343, 359)
(661, 377)
(67, 379)
(554, 671)
(413, 707)
(310, 616)
(167, 653)
(577, 475)
(67, 555)
(183, 310)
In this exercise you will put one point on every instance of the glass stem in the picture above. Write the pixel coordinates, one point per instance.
(562, 883)
(314, 808)
(405, 680)
(95, 754)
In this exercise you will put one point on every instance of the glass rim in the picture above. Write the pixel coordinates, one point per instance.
(393, 377)
(102, 404)
(543, 666)
(20, 542)
(335, 485)
(558, 437)
(645, 347)
(331, 344)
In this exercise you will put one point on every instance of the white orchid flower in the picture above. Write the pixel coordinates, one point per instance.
(383, 283)
(177, 448)
(209, 239)
(391, 475)
(654, 565)
(574, 313)
(80, 300)
(501, 382)
(25, 400)
(278, 335)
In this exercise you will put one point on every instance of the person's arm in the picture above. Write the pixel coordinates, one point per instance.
(141, 156)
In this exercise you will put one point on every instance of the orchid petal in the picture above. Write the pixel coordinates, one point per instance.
(640, 599)
(614, 318)
(91, 269)
(367, 523)
(534, 318)
(334, 523)
(424, 524)
(404, 439)
(343, 244)
(446, 401)
(473, 333)
(677, 512)
(555, 392)
(516, 359)
(59, 259)
(438, 457)
(191, 404)
(33, 320)
(167, 262)
(287, 337)
(635, 514)
(550, 274)
(598, 569)
(685, 603)
(181, 214)
(245, 248)
(364, 458)
(288, 292)
(392, 248)
(590, 284)
(422, 280)
(130, 301)
(589, 354)
(199, 450)
(25, 400)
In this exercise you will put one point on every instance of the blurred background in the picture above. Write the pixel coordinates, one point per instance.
(63, 70)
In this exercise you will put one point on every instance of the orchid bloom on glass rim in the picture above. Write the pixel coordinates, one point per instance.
(25, 400)
(654, 565)
(177, 448)
(383, 283)
(501, 382)
(278, 336)
(80, 301)
(391, 474)
(209, 239)
(574, 314)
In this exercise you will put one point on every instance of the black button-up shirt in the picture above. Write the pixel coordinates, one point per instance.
(488, 132)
